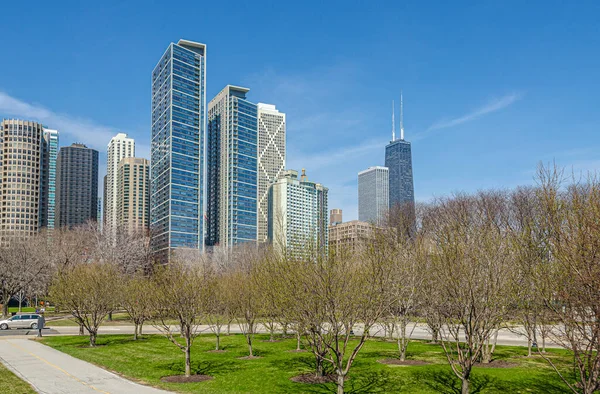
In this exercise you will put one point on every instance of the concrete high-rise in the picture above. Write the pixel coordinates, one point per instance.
(232, 157)
(271, 160)
(48, 188)
(349, 236)
(76, 185)
(298, 215)
(119, 147)
(373, 195)
(133, 195)
(21, 165)
(177, 158)
(398, 159)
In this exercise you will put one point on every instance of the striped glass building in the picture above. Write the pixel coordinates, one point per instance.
(232, 184)
(177, 152)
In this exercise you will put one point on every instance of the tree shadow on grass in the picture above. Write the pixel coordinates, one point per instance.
(446, 382)
(371, 382)
(200, 367)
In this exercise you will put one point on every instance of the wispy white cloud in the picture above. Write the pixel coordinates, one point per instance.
(74, 128)
(324, 160)
(493, 106)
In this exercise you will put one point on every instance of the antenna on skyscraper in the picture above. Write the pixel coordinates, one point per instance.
(393, 123)
(401, 117)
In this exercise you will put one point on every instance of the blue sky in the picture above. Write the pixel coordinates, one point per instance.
(491, 88)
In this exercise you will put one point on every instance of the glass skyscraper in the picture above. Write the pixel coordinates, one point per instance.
(398, 160)
(178, 127)
(232, 169)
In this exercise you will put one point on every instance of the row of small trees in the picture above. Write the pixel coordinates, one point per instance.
(466, 266)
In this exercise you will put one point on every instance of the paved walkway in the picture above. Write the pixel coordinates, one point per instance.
(52, 372)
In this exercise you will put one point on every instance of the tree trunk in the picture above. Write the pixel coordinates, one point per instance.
(319, 366)
(109, 316)
(81, 329)
(271, 336)
(218, 340)
(228, 328)
(529, 342)
(340, 382)
(543, 343)
(5, 300)
(465, 386)
(135, 332)
(188, 362)
(20, 301)
(298, 341)
(249, 340)
(141, 325)
(92, 338)
(402, 342)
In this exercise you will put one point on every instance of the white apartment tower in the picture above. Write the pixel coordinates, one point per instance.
(298, 215)
(271, 160)
(119, 147)
(373, 195)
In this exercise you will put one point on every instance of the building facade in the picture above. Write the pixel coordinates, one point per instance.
(349, 236)
(398, 159)
(177, 152)
(232, 169)
(373, 195)
(119, 147)
(335, 216)
(48, 193)
(271, 160)
(298, 215)
(76, 185)
(21, 166)
(133, 195)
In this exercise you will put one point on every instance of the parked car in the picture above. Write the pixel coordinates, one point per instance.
(20, 321)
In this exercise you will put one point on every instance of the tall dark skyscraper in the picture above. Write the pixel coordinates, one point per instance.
(398, 159)
(76, 185)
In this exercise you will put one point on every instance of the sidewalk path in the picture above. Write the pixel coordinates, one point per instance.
(50, 371)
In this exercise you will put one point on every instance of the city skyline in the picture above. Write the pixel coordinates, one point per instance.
(462, 103)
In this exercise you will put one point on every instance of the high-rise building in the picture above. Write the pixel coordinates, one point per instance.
(48, 192)
(232, 168)
(298, 214)
(349, 236)
(335, 216)
(271, 160)
(373, 195)
(398, 159)
(21, 164)
(177, 158)
(119, 147)
(133, 195)
(76, 185)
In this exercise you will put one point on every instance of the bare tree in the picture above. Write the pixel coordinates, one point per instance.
(334, 295)
(572, 217)
(243, 292)
(470, 264)
(136, 299)
(180, 292)
(22, 262)
(87, 291)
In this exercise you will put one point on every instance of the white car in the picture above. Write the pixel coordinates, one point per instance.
(20, 321)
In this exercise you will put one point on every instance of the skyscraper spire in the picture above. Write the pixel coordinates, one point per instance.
(401, 118)
(393, 123)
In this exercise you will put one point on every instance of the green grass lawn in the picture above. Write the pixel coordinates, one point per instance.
(15, 309)
(153, 357)
(10, 383)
